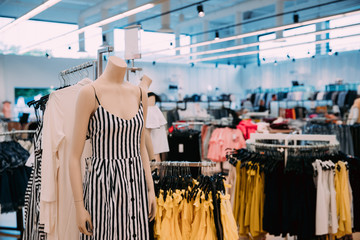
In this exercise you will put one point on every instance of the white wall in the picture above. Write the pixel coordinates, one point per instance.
(28, 71)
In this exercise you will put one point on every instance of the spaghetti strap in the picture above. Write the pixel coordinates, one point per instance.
(140, 94)
(95, 94)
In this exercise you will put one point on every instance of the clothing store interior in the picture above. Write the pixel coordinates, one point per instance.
(180, 119)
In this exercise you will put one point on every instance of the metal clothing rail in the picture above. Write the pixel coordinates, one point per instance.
(183, 164)
(17, 132)
(78, 68)
(331, 139)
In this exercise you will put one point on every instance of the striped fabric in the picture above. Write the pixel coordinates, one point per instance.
(33, 229)
(115, 190)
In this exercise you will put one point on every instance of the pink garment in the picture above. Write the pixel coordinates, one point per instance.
(221, 139)
(247, 127)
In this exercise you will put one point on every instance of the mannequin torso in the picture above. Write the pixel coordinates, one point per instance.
(121, 98)
(120, 109)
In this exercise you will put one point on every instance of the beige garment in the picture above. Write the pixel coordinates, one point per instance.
(357, 105)
(57, 210)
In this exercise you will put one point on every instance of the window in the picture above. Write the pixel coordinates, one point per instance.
(31, 32)
(25, 95)
(348, 43)
(292, 46)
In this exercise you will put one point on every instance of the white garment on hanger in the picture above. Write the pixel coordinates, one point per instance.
(156, 122)
(57, 210)
(333, 221)
(322, 202)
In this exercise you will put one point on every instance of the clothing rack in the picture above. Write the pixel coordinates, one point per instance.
(19, 213)
(17, 132)
(254, 137)
(101, 51)
(79, 68)
(132, 69)
(183, 164)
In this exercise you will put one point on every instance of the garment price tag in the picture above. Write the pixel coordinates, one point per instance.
(181, 148)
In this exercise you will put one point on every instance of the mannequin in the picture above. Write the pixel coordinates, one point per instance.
(155, 124)
(145, 84)
(111, 111)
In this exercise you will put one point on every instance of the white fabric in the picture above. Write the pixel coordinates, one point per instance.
(159, 139)
(322, 211)
(263, 127)
(326, 216)
(353, 116)
(57, 210)
(155, 118)
(333, 221)
(31, 159)
(320, 96)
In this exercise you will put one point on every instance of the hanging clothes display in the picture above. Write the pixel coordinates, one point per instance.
(156, 123)
(247, 127)
(14, 176)
(57, 210)
(185, 146)
(315, 194)
(347, 135)
(193, 209)
(33, 228)
(221, 139)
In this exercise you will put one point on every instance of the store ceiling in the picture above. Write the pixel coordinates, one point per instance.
(219, 14)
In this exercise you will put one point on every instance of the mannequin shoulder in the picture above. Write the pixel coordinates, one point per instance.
(87, 92)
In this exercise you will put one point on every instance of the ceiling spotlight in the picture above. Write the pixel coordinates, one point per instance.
(263, 59)
(47, 55)
(288, 56)
(308, 52)
(192, 64)
(330, 52)
(293, 60)
(275, 63)
(153, 63)
(296, 17)
(217, 36)
(313, 57)
(69, 47)
(336, 53)
(200, 10)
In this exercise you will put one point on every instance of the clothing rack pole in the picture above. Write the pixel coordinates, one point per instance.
(78, 68)
(101, 51)
(292, 137)
(17, 132)
(183, 164)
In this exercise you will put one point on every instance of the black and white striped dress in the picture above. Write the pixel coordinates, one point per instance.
(33, 228)
(115, 190)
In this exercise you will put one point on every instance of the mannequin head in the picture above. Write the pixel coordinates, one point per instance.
(115, 69)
